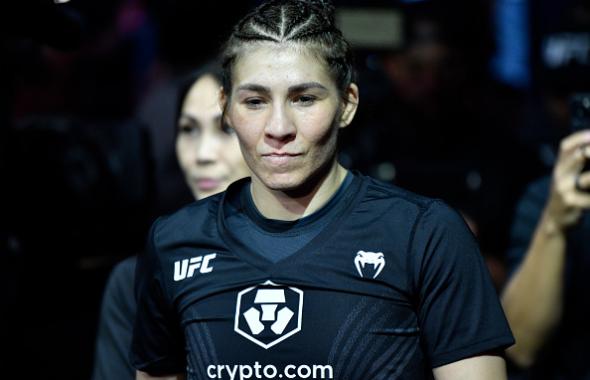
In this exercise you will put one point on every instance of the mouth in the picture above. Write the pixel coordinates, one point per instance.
(280, 158)
(208, 184)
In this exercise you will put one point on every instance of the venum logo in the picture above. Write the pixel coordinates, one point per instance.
(186, 268)
(377, 259)
(268, 313)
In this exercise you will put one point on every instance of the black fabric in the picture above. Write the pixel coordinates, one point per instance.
(392, 288)
(159, 349)
(113, 341)
(283, 226)
(277, 239)
(455, 303)
(565, 355)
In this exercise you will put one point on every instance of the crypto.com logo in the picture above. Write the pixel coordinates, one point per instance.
(268, 313)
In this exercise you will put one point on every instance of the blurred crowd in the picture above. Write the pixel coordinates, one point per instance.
(463, 100)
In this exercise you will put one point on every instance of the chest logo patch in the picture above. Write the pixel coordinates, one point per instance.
(376, 261)
(268, 313)
(186, 268)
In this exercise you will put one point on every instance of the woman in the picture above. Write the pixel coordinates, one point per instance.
(209, 156)
(307, 270)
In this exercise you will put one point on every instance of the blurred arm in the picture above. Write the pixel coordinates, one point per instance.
(533, 298)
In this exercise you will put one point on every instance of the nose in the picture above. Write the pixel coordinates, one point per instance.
(207, 149)
(279, 129)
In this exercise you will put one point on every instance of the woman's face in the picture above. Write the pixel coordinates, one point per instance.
(208, 154)
(286, 110)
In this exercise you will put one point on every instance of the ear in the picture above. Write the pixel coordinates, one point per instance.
(350, 106)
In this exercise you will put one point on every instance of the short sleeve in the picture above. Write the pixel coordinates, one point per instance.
(458, 308)
(158, 344)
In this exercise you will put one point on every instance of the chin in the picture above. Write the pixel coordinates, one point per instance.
(200, 194)
(283, 182)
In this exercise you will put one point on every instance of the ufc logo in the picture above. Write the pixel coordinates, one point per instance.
(186, 268)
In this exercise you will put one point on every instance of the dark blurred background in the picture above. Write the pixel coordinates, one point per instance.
(460, 100)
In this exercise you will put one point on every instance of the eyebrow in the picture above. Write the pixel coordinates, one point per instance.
(186, 117)
(193, 120)
(296, 88)
(253, 87)
(307, 86)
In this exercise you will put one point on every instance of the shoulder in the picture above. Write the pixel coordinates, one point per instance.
(384, 194)
(122, 274)
(408, 214)
(124, 268)
(118, 294)
(195, 216)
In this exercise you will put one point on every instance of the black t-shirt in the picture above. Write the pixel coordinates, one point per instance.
(391, 288)
(117, 313)
(566, 354)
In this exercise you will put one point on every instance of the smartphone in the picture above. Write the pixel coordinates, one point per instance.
(580, 116)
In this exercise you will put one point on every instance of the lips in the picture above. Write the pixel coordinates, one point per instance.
(207, 184)
(280, 158)
(280, 154)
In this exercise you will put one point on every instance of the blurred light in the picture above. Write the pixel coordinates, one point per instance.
(473, 180)
(61, 1)
(511, 61)
(565, 49)
(386, 171)
(371, 28)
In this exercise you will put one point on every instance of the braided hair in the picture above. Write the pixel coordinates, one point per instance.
(308, 22)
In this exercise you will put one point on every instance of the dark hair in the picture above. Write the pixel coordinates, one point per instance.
(293, 21)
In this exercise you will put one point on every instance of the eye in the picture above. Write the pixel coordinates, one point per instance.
(188, 129)
(305, 100)
(254, 103)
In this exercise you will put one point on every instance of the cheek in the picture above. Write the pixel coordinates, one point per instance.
(245, 139)
(248, 127)
(184, 152)
(318, 128)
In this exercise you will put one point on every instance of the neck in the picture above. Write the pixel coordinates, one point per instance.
(293, 205)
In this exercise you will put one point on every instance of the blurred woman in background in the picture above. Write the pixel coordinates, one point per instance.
(209, 155)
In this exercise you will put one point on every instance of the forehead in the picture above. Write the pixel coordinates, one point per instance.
(201, 99)
(271, 65)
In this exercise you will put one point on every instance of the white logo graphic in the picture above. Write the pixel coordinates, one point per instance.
(186, 268)
(268, 313)
(363, 258)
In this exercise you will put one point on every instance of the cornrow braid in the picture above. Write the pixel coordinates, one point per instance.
(306, 22)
